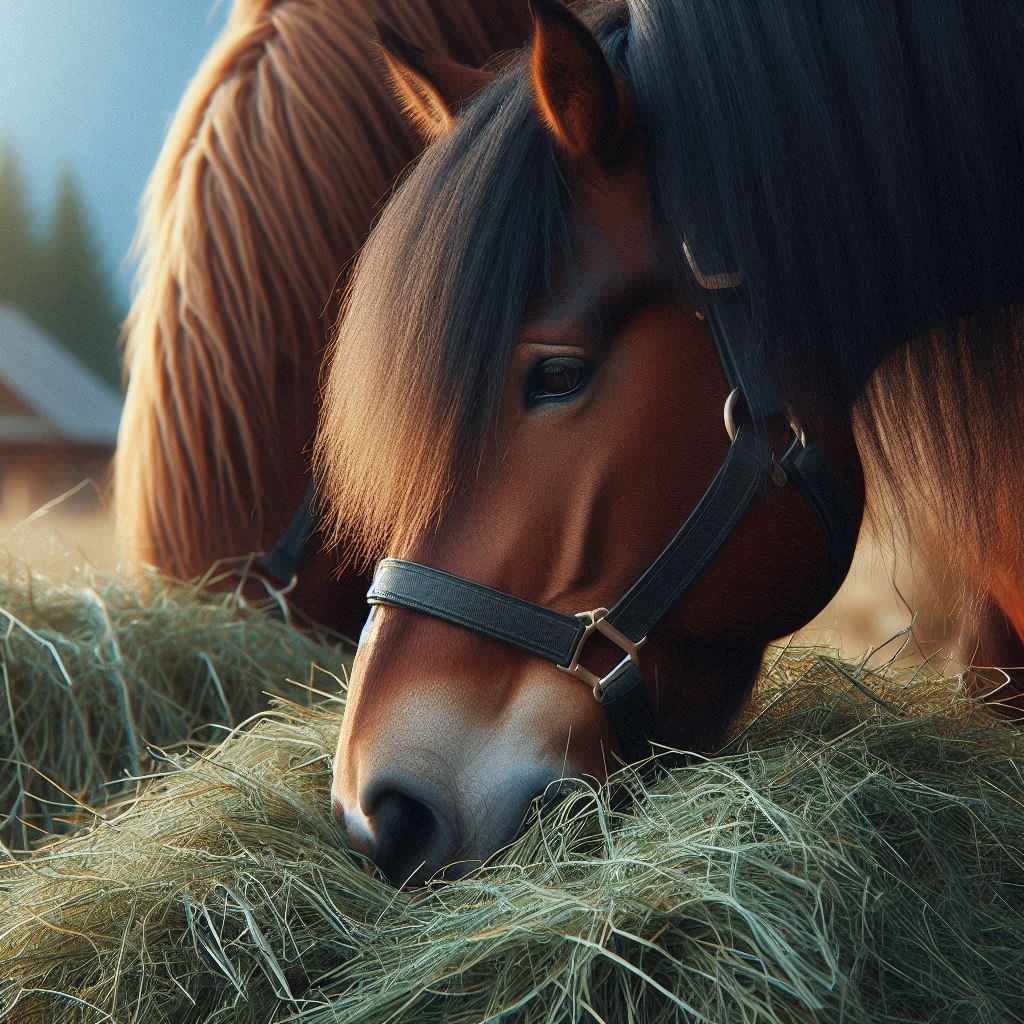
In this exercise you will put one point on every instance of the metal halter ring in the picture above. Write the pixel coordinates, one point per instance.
(729, 415)
(596, 621)
(779, 476)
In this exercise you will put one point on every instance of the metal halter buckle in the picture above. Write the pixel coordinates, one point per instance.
(596, 621)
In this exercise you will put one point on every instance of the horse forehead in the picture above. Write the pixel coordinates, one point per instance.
(612, 239)
(611, 268)
(614, 197)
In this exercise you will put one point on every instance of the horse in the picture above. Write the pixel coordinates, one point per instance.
(272, 171)
(616, 361)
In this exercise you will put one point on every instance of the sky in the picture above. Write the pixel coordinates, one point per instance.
(92, 85)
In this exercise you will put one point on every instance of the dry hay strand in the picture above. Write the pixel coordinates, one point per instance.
(100, 673)
(855, 854)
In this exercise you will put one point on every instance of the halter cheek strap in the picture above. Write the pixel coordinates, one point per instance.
(812, 474)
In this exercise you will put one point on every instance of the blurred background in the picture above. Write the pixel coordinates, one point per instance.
(87, 89)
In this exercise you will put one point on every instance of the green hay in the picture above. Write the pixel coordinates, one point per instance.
(94, 678)
(855, 855)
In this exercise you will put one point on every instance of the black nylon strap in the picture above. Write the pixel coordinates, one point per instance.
(288, 554)
(632, 715)
(522, 624)
(817, 481)
(728, 316)
(728, 312)
(530, 627)
(726, 500)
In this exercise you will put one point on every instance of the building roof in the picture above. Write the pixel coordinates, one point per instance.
(67, 401)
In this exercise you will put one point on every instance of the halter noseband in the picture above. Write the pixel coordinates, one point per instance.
(745, 472)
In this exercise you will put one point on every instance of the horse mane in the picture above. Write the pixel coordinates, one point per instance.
(271, 173)
(858, 163)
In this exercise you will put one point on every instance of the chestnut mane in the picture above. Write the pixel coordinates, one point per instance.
(273, 168)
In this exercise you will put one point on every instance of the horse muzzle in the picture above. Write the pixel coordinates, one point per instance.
(415, 829)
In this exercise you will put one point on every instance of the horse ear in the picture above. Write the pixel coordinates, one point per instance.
(430, 88)
(576, 92)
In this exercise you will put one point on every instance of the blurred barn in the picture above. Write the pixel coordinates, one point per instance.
(58, 422)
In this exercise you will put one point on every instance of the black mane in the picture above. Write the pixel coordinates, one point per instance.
(861, 163)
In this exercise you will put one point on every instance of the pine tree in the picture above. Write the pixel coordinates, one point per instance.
(79, 308)
(18, 251)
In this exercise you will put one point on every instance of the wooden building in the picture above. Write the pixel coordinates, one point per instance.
(58, 419)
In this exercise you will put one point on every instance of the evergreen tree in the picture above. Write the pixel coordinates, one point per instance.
(18, 252)
(78, 308)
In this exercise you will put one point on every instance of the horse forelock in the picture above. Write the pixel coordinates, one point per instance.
(430, 318)
(421, 349)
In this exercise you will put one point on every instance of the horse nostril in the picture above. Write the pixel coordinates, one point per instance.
(411, 837)
(416, 830)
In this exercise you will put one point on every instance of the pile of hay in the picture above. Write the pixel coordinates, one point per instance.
(855, 855)
(96, 679)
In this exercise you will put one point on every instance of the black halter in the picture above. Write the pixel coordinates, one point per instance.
(746, 471)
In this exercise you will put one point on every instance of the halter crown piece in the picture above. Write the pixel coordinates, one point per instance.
(746, 471)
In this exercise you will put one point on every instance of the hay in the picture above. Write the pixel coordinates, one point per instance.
(95, 679)
(855, 855)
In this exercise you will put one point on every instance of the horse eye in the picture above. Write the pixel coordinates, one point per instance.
(557, 378)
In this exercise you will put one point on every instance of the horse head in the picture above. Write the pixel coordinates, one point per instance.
(527, 394)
